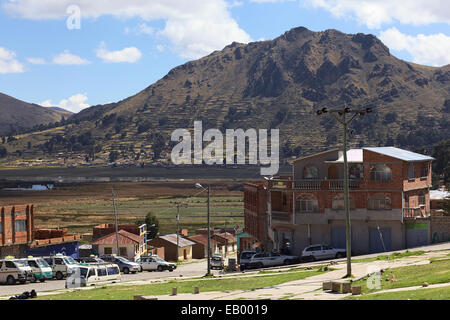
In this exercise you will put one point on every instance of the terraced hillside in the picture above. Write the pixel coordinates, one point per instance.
(278, 83)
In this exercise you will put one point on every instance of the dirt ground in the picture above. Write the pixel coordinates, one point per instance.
(80, 207)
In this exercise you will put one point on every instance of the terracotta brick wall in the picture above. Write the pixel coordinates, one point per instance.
(8, 217)
(440, 229)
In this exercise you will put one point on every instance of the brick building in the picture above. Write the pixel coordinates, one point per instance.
(389, 202)
(19, 237)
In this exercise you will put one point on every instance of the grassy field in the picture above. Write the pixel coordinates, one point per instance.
(393, 256)
(81, 207)
(184, 286)
(436, 272)
(422, 294)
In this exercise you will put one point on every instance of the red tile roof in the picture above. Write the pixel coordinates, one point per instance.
(125, 237)
(227, 236)
(202, 239)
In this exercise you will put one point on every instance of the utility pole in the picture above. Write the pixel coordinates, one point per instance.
(116, 222)
(199, 186)
(340, 116)
(178, 205)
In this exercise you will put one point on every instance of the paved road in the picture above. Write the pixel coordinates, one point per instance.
(191, 269)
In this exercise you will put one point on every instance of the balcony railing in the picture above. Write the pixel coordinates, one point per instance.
(414, 213)
(281, 216)
(308, 184)
(312, 184)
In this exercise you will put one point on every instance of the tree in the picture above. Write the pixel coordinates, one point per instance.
(152, 223)
(445, 205)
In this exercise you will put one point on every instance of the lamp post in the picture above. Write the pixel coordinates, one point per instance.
(340, 116)
(198, 185)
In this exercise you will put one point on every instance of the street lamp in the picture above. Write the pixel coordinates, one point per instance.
(199, 186)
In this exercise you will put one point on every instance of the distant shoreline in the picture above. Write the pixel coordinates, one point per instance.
(131, 174)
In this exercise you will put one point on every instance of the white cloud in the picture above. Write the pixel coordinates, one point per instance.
(75, 103)
(195, 27)
(375, 13)
(8, 62)
(425, 49)
(66, 58)
(36, 60)
(131, 54)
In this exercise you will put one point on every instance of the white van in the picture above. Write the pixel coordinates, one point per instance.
(41, 269)
(60, 265)
(13, 270)
(92, 274)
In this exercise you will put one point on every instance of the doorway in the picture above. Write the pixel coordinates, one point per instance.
(333, 173)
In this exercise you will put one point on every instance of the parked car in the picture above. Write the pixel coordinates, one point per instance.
(90, 260)
(60, 265)
(41, 269)
(321, 251)
(13, 270)
(154, 263)
(270, 259)
(217, 262)
(245, 257)
(126, 266)
(92, 274)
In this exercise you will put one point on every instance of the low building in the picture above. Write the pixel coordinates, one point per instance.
(200, 249)
(226, 241)
(107, 228)
(437, 198)
(129, 244)
(172, 252)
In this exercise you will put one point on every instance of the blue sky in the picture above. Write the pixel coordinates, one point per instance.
(121, 47)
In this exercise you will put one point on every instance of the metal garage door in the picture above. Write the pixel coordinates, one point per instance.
(338, 238)
(380, 240)
(416, 235)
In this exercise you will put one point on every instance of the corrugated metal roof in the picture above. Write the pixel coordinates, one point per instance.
(353, 156)
(227, 236)
(203, 239)
(439, 194)
(401, 154)
(182, 242)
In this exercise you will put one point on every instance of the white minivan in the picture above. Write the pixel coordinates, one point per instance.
(41, 269)
(13, 270)
(60, 265)
(86, 274)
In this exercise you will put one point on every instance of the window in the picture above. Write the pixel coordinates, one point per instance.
(123, 251)
(381, 172)
(101, 272)
(10, 264)
(406, 201)
(379, 202)
(33, 264)
(356, 171)
(59, 261)
(421, 199)
(411, 171)
(91, 273)
(310, 172)
(49, 261)
(107, 250)
(306, 203)
(339, 202)
(1, 227)
(113, 270)
(424, 170)
(21, 225)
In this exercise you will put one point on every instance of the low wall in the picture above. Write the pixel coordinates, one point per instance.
(440, 229)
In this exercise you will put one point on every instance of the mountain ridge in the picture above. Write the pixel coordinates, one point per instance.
(277, 83)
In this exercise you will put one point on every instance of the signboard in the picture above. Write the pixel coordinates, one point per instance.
(67, 248)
